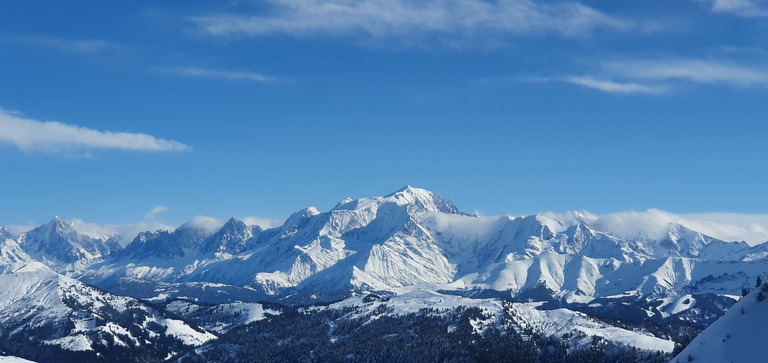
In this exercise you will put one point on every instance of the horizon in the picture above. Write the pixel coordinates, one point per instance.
(730, 227)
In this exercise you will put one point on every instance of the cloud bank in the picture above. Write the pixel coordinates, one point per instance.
(49, 136)
(264, 223)
(125, 232)
(212, 224)
(654, 223)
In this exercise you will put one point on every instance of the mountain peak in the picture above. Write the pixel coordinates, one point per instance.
(408, 190)
(233, 223)
(57, 220)
(5, 233)
(58, 226)
(423, 199)
(343, 202)
(300, 215)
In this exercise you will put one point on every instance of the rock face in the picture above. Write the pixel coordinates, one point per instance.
(61, 247)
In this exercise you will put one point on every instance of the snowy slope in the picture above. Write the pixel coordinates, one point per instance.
(43, 308)
(552, 323)
(14, 259)
(220, 317)
(10, 359)
(735, 337)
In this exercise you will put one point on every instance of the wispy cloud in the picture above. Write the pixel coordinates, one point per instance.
(600, 84)
(126, 232)
(264, 223)
(691, 70)
(393, 18)
(744, 8)
(17, 229)
(654, 223)
(48, 136)
(656, 76)
(154, 212)
(615, 87)
(212, 223)
(214, 73)
(79, 46)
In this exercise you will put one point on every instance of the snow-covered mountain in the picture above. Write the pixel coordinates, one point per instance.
(5, 234)
(63, 248)
(414, 236)
(412, 242)
(734, 337)
(48, 316)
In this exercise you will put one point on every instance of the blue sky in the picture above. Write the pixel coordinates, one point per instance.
(263, 108)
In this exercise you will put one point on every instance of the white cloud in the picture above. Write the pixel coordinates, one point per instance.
(17, 229)
(615, 87)
(211, 223)
(48, 136)
(264, 223)
(126, 232)
(154, 211)
(212, 73)
(744, 8)
(658, 76)
(752, 228)
(654, 223)
(603, 85)
(690, 70)
(80, 46)
(388, 18)
(204, 222)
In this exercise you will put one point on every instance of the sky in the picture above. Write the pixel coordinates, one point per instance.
(156, 112)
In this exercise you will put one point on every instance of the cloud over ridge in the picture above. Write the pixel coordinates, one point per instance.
(655, 224)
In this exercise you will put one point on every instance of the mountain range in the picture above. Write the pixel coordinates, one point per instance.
(407, 241)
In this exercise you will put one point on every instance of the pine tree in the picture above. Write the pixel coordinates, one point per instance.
(759, 282)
